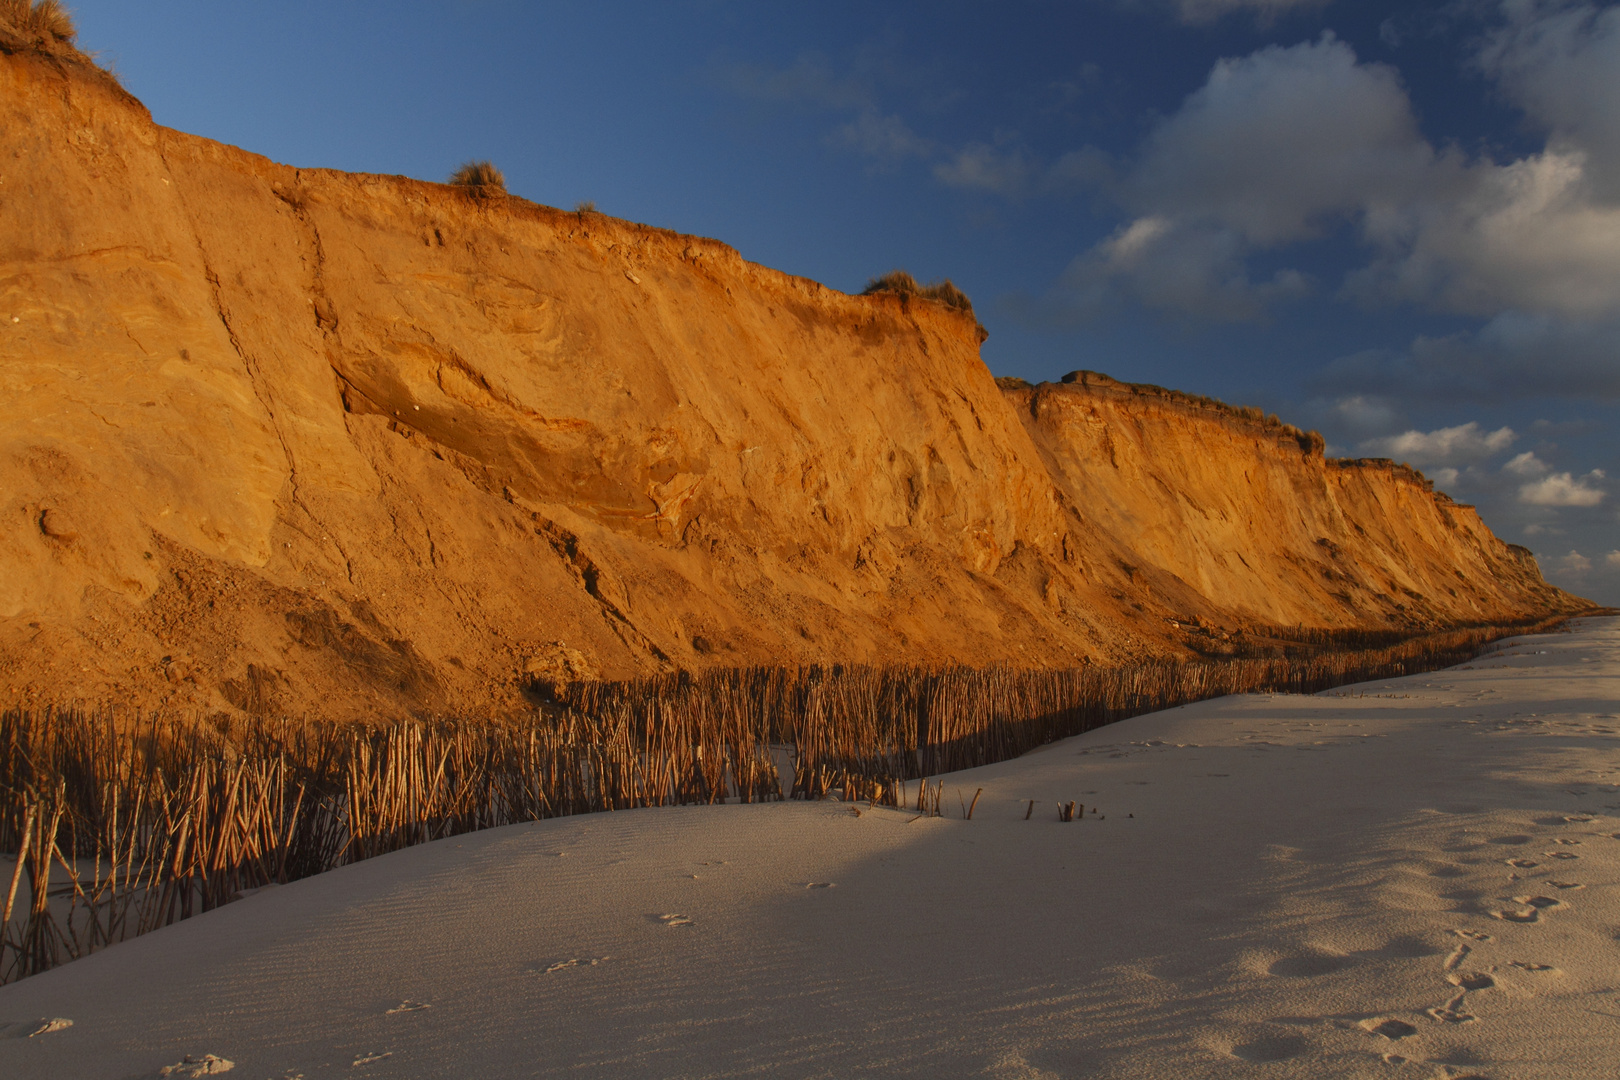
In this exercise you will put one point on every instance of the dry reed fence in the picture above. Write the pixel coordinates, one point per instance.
(124, 824)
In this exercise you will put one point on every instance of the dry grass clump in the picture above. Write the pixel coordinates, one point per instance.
(122, 825)
(902, 283)
(47, 17)
(480, 178)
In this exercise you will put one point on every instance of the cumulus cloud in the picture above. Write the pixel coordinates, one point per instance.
(1014, 172)
(1527, 465)
(1275, 148)
(1563, 489)
(1527, 236)
(1278, 142)
(986, 168)
(1574, 563)
(1289, 144)
(1612, 560)
(1463, 443)
(1558, 61)
(1363, 413)
(1164, 263)
(882, 137)
(1511, 356)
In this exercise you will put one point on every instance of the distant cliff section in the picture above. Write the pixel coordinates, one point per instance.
(307, 442)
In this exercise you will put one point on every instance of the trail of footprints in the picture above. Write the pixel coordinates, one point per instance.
(1530, 908)
(1461, 977)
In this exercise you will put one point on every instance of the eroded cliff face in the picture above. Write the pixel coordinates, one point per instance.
(310, 442)
(1224, 507)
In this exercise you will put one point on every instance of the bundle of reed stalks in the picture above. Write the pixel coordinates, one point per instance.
(117, 824)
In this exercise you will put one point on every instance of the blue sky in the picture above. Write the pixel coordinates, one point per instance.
(1397, 223)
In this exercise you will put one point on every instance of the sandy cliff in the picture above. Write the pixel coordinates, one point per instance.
(307, 441)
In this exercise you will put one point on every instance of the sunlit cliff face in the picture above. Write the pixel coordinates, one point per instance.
(306, 441)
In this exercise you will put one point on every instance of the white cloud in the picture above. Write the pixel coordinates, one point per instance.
(1277, 143)
(1364, 413)
(1465, 442)
(985, 168)
(884, 137)
(1512, 355)
(1612, 559)
(1275, 148)
(1527, 465)
(1558, 61)
(1527, 236)
(1447, 477)
(1164, 264)
(1574, 563)
(1288, 144)
(1563, 489)
(1013, 172)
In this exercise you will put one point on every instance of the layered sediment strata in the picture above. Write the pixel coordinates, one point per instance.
(302, 441)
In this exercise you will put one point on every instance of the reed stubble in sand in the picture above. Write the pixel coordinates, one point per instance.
(1412, 877)
(125, 825)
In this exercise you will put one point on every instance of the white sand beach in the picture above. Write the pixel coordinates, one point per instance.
(1411, 878)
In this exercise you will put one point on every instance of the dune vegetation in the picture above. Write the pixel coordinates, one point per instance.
(45, 17)
(126, 823)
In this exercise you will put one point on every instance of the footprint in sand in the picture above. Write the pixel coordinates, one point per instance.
(1470, 980)
(818, 884)
(1308, 965)
(1516, 838)
(1570, 843)
(1458, 955)
(1543, 902)
(1451, 1012)
(33, 1028)
(1473, 935)
(369, 1059)
(1407, 946)
(1560, 854)
(207, 1065)
(408, 1006)
(1390, 1028)
(1531, 967)
(1566, 884)
(1271, 1048)
(676, 920)
(1523, 864)
(584, 961)
(1529, 915)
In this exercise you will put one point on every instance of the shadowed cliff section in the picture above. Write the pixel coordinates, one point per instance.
(284, 440)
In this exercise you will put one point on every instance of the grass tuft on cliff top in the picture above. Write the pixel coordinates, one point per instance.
(480, 178)
(47, 17)
(902, 283)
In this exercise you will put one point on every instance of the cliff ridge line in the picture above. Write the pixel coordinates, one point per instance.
(301, 441)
